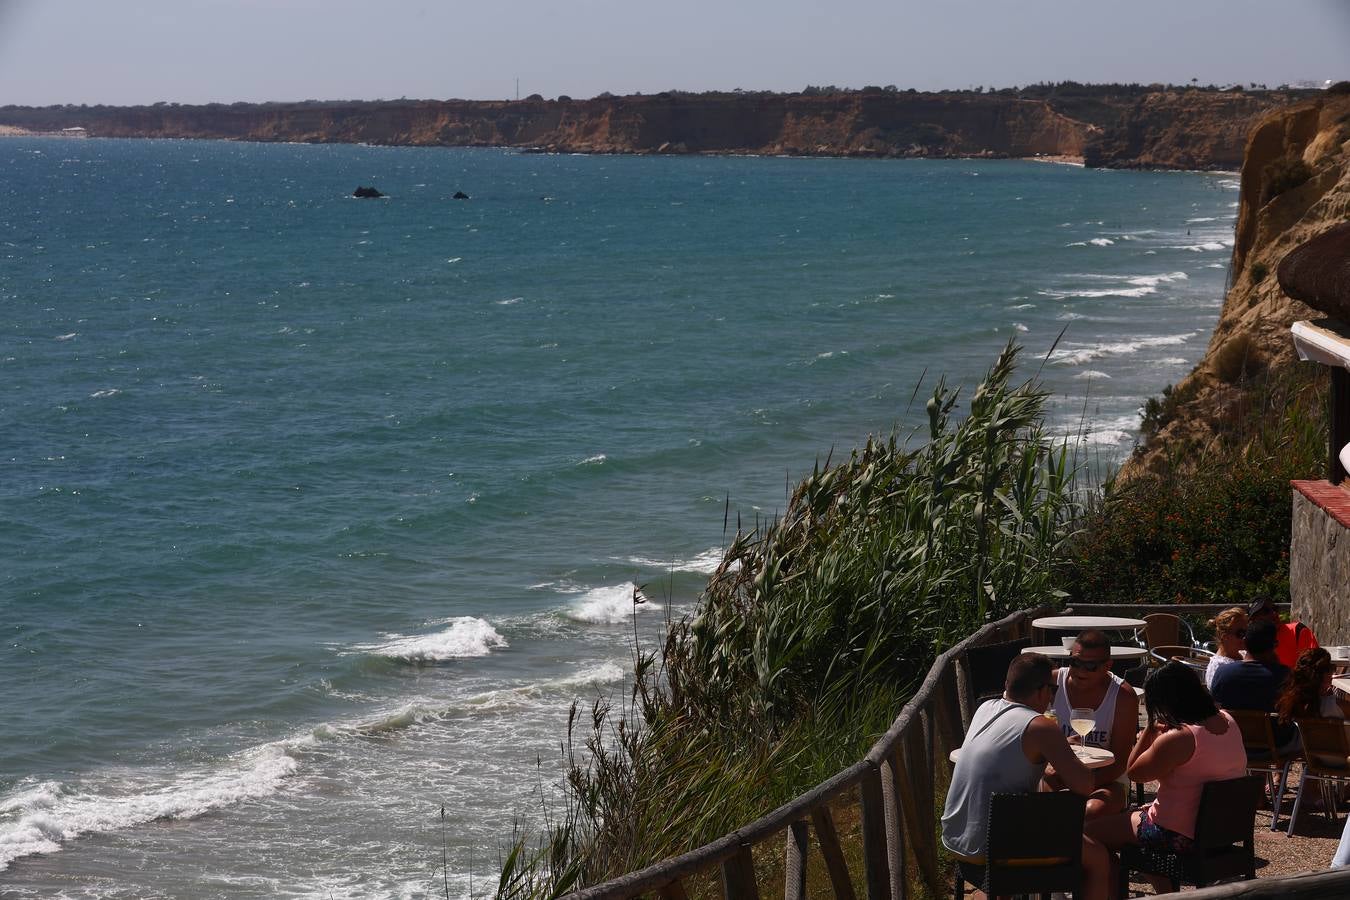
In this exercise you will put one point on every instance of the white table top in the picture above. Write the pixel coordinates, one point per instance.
(1080, 622)
(1091, 757)
(1342, 684)
(1057, 651)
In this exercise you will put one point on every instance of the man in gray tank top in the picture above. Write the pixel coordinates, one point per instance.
(1006, 750)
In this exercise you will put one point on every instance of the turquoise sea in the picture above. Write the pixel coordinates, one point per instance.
(316, 513)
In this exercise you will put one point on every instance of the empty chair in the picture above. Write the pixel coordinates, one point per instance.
(1026, 860)
(1326, 754)
(989, 668)
(1263, 754)
(1192, 656)
(1165, 629)
(1223, 848)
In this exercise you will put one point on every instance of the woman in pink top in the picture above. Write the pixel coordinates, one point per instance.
(1188, 742)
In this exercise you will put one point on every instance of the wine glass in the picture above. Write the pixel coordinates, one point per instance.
(1082, 720)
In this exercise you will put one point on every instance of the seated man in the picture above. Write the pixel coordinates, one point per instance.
(1256, 682)
(1006, 751)
(1087, 682)
(1291, 638)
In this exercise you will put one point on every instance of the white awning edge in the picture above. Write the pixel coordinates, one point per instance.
(1327, 343)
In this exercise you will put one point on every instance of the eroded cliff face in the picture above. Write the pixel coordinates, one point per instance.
(1178, 129)
(1252, 335)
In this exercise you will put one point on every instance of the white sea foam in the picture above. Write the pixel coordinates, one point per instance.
(1202, 219)
(1092, 373)
(1018, 326)
(1076, 356)
(67, 337)
(109, 392)
(610, 605)
(705, 563)
(50, 813)
(509, 301)
(1231, 184)
(1139, 285)
(1023, 306)
(1101, 242)
(1216, 266)
(596, 460)
(1205, 246)
(466, 637)
(454, 259)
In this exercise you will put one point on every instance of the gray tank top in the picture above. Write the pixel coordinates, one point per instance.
(991, 762)
(1103, 717)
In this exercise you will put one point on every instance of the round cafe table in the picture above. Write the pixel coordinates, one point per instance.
(1057, 651)
(1079, 623)
(1341, 684)
(1091, 757)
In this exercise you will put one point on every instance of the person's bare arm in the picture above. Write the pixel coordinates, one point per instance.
(1044, 742)
(1123, 730)
(1162, 754)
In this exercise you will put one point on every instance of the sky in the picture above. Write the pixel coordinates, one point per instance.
(201, 51)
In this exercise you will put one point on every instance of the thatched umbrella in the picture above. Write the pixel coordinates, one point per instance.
(1318, 272)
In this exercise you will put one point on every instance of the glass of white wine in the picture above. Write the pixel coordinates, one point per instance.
(1082, 720)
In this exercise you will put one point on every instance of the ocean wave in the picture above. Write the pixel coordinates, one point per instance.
(1092, 373)
(1203, 247)
(466, 637)
(1202, 219)
(1139, 285)
(704, 563)
(596, 460)
(67, 337)
(1101, 242)
(49, 814)
(509, 301)
(610, 605)
(107, 392)
(1023, 306)
(1018, 326)
(1078, 356)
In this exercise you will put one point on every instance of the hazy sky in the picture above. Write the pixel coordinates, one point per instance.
(196, 51)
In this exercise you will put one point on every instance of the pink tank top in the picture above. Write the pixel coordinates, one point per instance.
(1217, 757)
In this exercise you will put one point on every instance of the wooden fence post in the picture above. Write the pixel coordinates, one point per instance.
(916, 799)
(947, 706)
(794, 862)
(895, 829)
(673, 891)
(876, 866)
(738, 876)
(833, 854)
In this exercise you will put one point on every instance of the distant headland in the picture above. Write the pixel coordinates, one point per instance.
(1108, 125)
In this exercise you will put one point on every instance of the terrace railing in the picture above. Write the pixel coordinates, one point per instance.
(894, 786)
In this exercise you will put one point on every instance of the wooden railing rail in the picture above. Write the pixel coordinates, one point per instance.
(896, 783)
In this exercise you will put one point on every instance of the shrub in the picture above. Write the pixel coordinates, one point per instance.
(1283, 174)
(1258, 272)
(1340, 87)
(1159, 411)
(1238, 358)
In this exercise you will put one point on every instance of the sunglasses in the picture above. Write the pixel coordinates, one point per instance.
(1087, 665)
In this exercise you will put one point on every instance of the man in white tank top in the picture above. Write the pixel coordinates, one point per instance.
(1087, 682)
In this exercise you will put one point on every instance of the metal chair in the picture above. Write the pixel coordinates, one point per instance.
(1226, 817)
(1165, 629)
(1263, 754)
(1326, 758)
(1192, 656)
(1023, 860)
(988, 668)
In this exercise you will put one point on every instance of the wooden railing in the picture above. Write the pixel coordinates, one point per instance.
(895, 785)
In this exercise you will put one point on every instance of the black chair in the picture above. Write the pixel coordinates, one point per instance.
(1028, 860)
(1226, 818)
(988, 668)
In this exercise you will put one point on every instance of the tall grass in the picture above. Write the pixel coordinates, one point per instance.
(812, 632)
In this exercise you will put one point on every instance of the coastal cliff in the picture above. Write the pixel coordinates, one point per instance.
(1109, 126)
(1295, 185)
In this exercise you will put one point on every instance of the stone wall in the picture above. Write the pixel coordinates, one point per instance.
(1319, 560)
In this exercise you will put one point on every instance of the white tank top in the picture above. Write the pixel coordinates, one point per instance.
(1104, 716)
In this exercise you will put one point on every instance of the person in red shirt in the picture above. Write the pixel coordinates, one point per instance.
(1291, 638)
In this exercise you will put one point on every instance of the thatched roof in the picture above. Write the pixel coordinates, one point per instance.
(1318, 272)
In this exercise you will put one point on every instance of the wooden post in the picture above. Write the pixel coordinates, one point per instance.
(917, 804)
(794, 862)
(738, 876)
(876, 866)
(965, 694)
(895, 829)
(1339, 421)
(947, 706)
(833, 854)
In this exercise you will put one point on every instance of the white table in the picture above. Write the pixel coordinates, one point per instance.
(1057, 651)
(1342, 684)
(1091, 757)
(1080, 623)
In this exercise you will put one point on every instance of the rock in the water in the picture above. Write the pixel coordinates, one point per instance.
(460, 195)
(1318, 272)
(366, 192)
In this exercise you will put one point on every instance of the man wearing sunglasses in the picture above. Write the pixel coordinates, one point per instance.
(1087, 682)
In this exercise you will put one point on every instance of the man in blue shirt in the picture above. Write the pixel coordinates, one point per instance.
(1256, 682)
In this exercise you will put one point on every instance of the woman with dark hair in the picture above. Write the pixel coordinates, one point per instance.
(1308, 694)
(1189, 741)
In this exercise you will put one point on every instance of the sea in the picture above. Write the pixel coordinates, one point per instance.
(317, 513)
